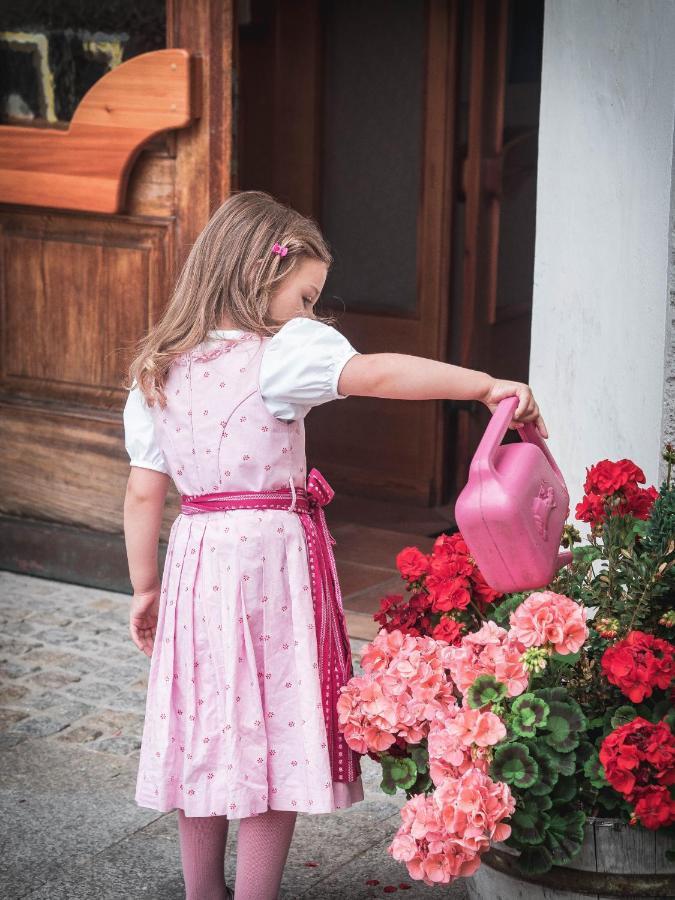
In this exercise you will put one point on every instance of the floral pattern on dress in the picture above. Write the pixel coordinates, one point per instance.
(234, 721)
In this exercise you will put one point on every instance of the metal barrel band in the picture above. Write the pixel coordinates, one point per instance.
(581, 881)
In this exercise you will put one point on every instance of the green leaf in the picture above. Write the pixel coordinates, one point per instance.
(548, 773)
(569, 659)
(594, 771)
(485, 689)
(565, 723)
(528, 713)
(513, 764)
(646, 711)
(403, 772)
(622, 716)
(397, 771)
(565, 790)
(553, 693)
(500, 612)
(584, 751)
(662, 708)
(586, 554)
(387, 785)
(528, 825)
(420, 756)
(609, 800)
(535, 860)
(421, 786)
(565, 835)
(565, 763)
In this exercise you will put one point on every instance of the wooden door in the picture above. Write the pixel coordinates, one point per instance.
(493, 305)
(463, 235)
(347, 111)
(77, 291)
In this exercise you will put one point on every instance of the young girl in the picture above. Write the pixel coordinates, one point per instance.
(246, 630)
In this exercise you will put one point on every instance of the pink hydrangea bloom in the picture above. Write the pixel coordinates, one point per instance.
(443, 835)
(489, 651)
(548, 618)
(405, 687)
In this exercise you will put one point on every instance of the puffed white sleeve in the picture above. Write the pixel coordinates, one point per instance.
(139, 434)
(301, 367)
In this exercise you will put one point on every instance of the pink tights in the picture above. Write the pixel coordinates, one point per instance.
(262, 848)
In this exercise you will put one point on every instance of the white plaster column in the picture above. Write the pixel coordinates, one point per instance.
(601, 325)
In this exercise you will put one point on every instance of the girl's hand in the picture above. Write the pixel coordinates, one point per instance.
(143, 619)
(527, 409)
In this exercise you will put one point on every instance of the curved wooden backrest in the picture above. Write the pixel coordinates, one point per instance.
(86, 167)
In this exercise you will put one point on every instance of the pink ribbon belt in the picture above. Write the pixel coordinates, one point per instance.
(334, 651)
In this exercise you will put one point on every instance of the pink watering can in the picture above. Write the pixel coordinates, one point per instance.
(512, 511)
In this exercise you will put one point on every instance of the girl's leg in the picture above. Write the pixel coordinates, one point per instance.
(202, 849)
(262, 848)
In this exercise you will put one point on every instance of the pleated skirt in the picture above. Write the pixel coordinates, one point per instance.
(233, 722)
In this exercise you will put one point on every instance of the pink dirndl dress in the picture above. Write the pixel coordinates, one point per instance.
(234, 722)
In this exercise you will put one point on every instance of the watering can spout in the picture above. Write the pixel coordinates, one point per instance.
(564, 558)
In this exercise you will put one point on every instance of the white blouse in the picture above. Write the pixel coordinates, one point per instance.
(300, 369)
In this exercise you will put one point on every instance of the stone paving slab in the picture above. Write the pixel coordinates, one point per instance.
(72, 701)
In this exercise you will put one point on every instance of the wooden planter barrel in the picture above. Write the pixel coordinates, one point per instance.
(616, 860)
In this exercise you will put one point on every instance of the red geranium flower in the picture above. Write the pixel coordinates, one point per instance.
(448, 593)
(406, 614)
(591, 509)
(638, 664)
(448, 629)
(485, 594)
(449, 579)
(638, 756)
(412, 563)
(607, 477)
(618, 481)
(639, 502)
(655, 808)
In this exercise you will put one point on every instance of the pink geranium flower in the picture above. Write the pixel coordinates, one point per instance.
(404, 688)
(473, 806)
(546, 618)
(460, 742)
(489, 651)
(442, 836)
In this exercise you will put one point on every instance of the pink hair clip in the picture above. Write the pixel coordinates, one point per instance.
(280, 249)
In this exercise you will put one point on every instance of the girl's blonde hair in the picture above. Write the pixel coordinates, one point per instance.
(231, 270)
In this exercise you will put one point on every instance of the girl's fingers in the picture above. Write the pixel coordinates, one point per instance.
(525, 401)
(522, 404)
(143, 637)
(135, 638)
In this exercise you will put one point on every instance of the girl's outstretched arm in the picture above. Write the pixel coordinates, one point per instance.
(399, 376)
(143, 507)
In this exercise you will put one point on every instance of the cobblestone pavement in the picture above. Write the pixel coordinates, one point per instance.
(72, 701)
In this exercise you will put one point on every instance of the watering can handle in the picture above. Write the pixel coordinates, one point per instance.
(494, 434)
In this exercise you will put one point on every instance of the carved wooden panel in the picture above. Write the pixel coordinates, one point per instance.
(76, 295)
(87, 166)
(66, 467)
